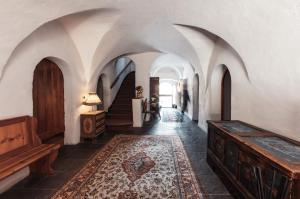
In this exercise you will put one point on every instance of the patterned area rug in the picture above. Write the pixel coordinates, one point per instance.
(171, 115)
(132, 167)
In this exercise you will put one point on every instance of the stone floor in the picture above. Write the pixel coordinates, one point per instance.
(72, 158)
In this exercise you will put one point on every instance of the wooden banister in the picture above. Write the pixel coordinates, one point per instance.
(119, 75)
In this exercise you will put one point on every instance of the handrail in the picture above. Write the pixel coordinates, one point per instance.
(119, 75)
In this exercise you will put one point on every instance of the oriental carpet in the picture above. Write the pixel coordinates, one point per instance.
(132, 167)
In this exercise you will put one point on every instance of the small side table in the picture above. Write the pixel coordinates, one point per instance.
(92, 124)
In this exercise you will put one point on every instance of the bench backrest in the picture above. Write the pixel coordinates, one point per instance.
(17, 134)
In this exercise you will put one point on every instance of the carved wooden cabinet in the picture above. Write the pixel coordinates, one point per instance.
(254, 163)
(92, 124)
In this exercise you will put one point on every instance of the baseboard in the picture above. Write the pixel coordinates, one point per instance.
(10, 181)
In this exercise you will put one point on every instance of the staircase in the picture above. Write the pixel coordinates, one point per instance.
(119, 115)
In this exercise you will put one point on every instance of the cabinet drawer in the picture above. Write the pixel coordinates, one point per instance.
(100, 129)
(100, 123)
(92, 124)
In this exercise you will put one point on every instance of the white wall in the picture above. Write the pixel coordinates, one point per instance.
(214, 93)
(143, 62)
(166, 73)
(267, 100)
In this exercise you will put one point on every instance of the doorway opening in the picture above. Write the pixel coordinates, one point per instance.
(100, 92)
(167, 92)
(226, 95)
(195, 97)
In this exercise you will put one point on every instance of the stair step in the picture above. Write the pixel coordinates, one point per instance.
(120, 112)
(122, 109)
(118, 122)
(118, 115)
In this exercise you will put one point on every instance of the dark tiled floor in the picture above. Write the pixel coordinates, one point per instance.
(72, 158)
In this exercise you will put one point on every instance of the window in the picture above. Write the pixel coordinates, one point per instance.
(166, 92)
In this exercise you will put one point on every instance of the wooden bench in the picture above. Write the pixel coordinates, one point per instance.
(20, 147)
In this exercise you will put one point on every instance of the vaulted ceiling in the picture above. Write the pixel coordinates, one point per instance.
(102, 30)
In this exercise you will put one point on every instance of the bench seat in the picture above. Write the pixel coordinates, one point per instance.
(21, 147)
(25, 158)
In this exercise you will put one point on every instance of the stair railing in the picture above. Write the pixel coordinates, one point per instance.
(119, 75)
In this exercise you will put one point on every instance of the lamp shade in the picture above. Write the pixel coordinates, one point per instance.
(92, 99)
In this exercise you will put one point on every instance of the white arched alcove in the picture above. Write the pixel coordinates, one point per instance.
(21, 66)
(216, 92)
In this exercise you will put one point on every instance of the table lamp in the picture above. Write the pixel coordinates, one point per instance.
(92, 100)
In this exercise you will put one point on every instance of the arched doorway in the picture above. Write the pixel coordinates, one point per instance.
(48, 101)
(196, 97)
(226, 96)
(100, 92)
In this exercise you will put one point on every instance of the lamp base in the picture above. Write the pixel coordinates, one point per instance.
(93, 109)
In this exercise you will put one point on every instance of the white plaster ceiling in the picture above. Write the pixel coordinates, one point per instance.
(169, 62)
(167, 73)
(258, 30)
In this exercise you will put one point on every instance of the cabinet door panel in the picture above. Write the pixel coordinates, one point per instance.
(219, 146)
(247, 176)
(275, 184)
(231, 157)
(211, 138)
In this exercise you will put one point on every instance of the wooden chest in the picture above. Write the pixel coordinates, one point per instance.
(92, 124)
(254, 162)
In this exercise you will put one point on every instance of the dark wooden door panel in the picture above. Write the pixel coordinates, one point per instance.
(48, 99)
(154, 86)
(226, 96)
(154, 89)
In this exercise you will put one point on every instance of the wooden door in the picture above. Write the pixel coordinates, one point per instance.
(100, 93)
(154, 86)
(226, 96)
(154, 89)
(48, 101)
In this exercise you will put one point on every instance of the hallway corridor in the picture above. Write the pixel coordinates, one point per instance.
(72, 158)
